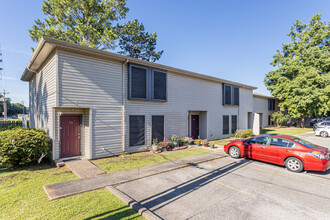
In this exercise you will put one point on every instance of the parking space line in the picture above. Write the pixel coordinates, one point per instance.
(292, 177)
(216, 181)
(280, 174)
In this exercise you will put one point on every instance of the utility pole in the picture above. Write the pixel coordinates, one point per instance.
(4, 104)
(23, 107)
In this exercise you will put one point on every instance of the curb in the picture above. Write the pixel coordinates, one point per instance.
(133, 204)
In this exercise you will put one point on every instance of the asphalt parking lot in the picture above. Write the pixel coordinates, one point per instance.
(310, 136)
(234, 189)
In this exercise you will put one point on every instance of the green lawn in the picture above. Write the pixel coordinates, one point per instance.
(22, 197)
(272, 130)
(136, 160)
(287, 131)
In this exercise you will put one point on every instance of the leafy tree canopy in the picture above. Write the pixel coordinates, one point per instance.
(95, 23)
(302, 79)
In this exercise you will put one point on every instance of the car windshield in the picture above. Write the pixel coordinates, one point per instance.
(305, 143)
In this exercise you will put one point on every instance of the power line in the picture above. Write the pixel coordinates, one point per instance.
(2, 69)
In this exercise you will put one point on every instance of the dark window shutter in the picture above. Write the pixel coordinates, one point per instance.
(158, 128)
(136, 130)
(233, 123)
(226, 124)
(236, 96)
(227, 95)
(269, 120)
(138, 83)
(159, 85)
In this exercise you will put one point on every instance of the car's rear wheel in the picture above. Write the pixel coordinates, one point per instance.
(234, 152)
(293, 164)
(324, 134)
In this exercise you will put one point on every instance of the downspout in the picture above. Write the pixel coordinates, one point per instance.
(37, 104)
(123, 108)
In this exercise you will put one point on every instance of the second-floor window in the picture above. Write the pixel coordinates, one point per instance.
(148, 84)
(271, 104)
(230, 95)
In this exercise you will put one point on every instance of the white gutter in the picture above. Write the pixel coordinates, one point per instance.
(123, 108)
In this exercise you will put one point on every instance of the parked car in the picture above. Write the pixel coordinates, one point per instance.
(324, 130)
(315, 121)
(292, 152)
(322, 124)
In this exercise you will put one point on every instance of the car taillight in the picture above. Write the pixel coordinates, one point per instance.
(317, 154)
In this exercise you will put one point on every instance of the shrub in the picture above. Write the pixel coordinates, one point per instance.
(21, 146)
(212, 143)
(243, 133)
(174, 138)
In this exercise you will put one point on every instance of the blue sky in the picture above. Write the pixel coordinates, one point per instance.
(234, 40)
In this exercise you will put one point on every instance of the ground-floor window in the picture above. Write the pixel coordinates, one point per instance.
(225, 128)
(233, 123)
(136, 130)
(158, 127)
(270, 120)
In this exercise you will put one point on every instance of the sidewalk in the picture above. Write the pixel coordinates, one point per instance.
(69, 188)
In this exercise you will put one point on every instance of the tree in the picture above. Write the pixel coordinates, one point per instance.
(302, 77)
(92, 23)
(135, 42)
(13, 108)
(279, 118)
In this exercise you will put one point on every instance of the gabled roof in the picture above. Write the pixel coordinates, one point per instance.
(47, 45)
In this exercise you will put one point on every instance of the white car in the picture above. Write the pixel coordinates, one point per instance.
(323, 131)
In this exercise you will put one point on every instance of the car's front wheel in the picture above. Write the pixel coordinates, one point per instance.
(324, 134)
(293, 164)
(234, 152)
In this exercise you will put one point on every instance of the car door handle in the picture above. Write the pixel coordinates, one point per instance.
(288, 150)
(262, 147)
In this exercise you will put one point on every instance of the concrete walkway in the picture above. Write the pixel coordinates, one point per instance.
(69, 188)
(83, 168)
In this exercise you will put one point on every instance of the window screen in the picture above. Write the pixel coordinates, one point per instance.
(226, 124)
(227, 95)
(236, 96)
(271, 104)
(158, 128)
(233, 123)
(138, 83)
(136, 130)
(159, 85)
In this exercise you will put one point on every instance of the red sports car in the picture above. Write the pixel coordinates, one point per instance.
(292, 152)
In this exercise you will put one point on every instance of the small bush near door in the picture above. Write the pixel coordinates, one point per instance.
(243, 133)
(21, 146)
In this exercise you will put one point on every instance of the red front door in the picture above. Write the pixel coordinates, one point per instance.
(70, 135)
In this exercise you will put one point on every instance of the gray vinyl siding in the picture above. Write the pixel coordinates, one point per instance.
(46, 95)
(260, 105)
(188, 94)
(88, 82)
(32, 101)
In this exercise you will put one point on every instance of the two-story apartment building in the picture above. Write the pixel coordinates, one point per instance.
(94, 103)
(265, 106)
